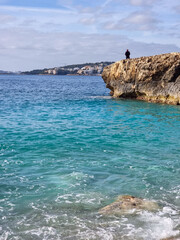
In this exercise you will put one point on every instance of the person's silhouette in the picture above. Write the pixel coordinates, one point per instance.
(127, 53)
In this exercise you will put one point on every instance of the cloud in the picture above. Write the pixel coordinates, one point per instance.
(4, 19)
(15, 9)
(36, 18)
(177, 9)
(36, 37)
(83, 6)
(142, 2)
(122, 17)
(141, 21)
(28, 49)
(137, 21)
(88, 21)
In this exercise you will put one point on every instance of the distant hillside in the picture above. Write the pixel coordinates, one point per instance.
(75, 69)
(6, 72)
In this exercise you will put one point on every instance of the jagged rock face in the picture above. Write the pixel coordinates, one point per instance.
(155, 78)
(126, 204)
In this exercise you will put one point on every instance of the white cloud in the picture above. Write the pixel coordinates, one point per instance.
(38, 18)
(177, 9)
(107, 2)
(141, 21)
(28, 49)
(136, 2)
(15, 9)
(142, 2)
(4, 19)
(139, 18)
(96, 31)
(137, 21)
(88, 21)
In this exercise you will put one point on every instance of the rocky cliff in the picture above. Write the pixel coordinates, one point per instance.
(155, 78)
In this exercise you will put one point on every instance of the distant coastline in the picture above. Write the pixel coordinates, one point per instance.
(86, 69)
(76, 69)
(7, 72)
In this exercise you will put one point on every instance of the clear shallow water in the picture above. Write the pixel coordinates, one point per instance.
(67, 149)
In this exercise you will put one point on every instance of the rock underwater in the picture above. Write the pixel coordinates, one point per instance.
(126, 204)
(172, 238)
(154, 79)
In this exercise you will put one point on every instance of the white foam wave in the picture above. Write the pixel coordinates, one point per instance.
(101, 97)
(157, 226)
(90, 200)
(71, 180)
(4, 236)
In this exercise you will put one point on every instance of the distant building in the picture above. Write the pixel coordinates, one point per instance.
(80, 69)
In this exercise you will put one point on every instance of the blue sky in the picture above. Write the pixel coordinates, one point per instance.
(48, 33)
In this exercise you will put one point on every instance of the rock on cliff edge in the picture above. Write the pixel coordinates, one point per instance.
(155, 78)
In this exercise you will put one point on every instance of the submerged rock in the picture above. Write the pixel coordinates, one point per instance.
(155, 78)
(128, 204)
(172, 238)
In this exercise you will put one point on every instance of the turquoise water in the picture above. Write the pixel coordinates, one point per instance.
(67, 149)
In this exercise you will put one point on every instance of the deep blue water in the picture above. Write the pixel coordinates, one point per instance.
(67, 149)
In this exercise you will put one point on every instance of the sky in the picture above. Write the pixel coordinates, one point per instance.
(38, 34)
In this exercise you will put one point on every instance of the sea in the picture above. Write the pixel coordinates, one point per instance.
(67, 149)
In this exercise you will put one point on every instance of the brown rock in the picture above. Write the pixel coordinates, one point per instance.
(172, 238)
(155, 78)
(126, 203)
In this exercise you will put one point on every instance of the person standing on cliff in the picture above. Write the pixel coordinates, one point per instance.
(127, 53)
